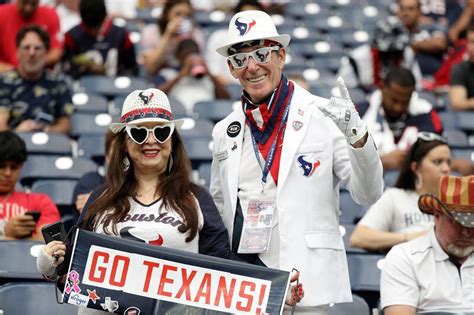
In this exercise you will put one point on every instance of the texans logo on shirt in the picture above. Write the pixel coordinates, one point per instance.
(307, 166)
(244, 27)
(141, 235)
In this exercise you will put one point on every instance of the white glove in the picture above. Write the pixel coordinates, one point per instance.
(45, 264)
(344, 114)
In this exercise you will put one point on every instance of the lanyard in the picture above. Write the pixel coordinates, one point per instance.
(268, 163)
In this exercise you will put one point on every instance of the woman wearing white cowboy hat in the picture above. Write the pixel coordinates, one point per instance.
(435, 272)
(148, 195)
(287, 152)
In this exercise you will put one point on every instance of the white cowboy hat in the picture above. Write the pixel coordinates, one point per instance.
(252, 25)
(150, 105)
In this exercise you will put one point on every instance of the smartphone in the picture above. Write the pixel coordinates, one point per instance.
(35, 214)
(54, 232)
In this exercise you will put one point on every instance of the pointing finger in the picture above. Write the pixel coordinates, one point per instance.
(343, 89)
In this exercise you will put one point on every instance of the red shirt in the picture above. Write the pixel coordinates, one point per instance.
(21, 202)
(11, 22)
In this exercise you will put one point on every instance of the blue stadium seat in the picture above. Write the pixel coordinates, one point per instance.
(364, 271)
(390, 177)
(205, 174)
(467, 154)
(358, 306)
(465, 120)
(92, 147)
(199, 150)
(89, 103)
(448, 119)
(89, 124)
(17, 261)
(60, 190)
(46, 143)
(196, 128)
(32, 298)
(111, 87)
(235, 90)
(346, 232)
(351, 212)
(456, 138)
(54, 167)
(213, 110)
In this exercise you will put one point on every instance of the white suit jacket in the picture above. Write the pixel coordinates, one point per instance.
(308, 207)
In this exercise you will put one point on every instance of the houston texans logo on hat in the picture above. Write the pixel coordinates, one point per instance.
(243, 27)
(307, 167)
(145, 98)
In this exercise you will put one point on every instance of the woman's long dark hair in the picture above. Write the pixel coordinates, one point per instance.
(417, 152)
(175, 188)
(163, 19)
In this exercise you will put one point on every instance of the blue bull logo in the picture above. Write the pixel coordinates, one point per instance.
(307, 167)
(243, 27)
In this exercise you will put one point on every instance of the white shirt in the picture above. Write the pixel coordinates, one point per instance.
(250, 186)
(397, 211)
(419, 273)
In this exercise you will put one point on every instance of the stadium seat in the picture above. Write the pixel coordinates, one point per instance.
(46, 143)
(213, 110)
(351, 212)
(465, 119)
(89, 103)
(358, 306)
(89, 124)
(364, 271)
(32, 298)
(235, 90)
(18, 261)
(205, 174)
(196, 128)
(390, 178)
(111, 87)
(54, 167)
(92, 147)
(448, 119)
(60, 190)
(456, 138)
(346, 231)
(467, 154)
(199, 150)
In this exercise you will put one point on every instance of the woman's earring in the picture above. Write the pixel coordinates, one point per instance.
(418, 181)
(125, 164)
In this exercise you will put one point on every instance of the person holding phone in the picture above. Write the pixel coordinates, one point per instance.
(22, 214)
(148, 196)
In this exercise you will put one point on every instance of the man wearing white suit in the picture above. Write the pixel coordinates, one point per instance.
(278, 164)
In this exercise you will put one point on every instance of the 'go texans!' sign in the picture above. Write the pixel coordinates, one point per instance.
(127, 277)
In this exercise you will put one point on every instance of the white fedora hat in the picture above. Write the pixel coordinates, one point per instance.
(252, 25)
(150, 105)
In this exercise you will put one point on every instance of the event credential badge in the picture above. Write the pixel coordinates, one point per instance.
(257, 227)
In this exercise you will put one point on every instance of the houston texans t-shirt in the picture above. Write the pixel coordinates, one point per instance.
(154, 224)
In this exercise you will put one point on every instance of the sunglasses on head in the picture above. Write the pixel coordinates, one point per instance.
(430, 136)
(139, 134)
(260, 55)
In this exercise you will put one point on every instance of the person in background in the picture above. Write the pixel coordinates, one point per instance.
(461, 90)
(395, 217)
(97, 46)
(15, 221)
(433, 273)
(90, 181)
(428, 40)
(395, 115)
(367, 66)
(192, 82)
(159, 41)
(281, 157)
(31, 97)
(18, 14)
